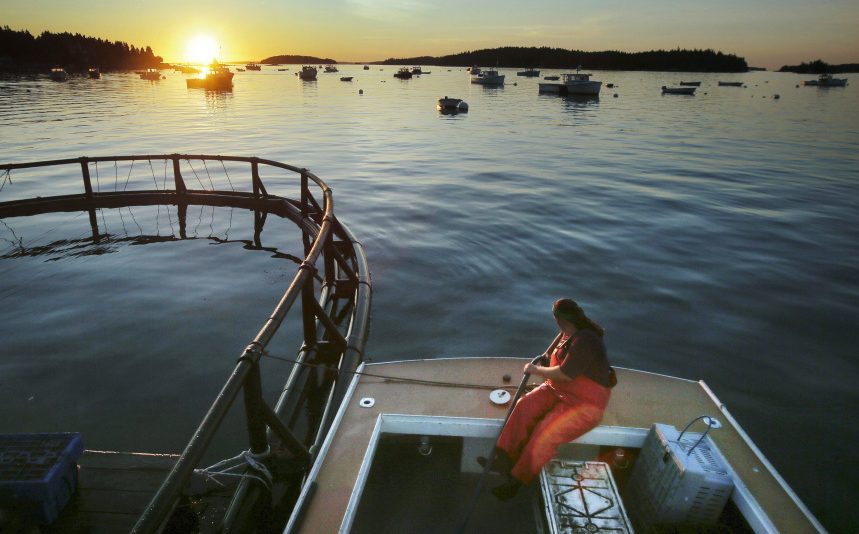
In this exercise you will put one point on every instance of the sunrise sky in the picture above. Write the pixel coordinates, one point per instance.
(768, 33)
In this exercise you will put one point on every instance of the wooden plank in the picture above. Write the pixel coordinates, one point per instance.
(115, 487)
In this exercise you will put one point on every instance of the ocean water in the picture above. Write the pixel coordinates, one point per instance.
(715, 237)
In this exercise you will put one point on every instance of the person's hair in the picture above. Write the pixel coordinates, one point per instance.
(569, 310)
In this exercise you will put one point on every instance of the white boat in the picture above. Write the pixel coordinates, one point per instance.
(331, 68)
(307, 73)
(252, 66)
(217, 78)
(451, 105)
(401, 455)
(678, 90)
(473, 70)
(826, 80)
(150, 74)
(575, 83)
(487, 77)
(417, 71)
(58, 74)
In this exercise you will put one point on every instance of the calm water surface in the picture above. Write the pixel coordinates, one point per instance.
(714, 237)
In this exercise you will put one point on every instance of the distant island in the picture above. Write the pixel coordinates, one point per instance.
(21, 52)
(820, 67)
(292, 59)
(560, 58)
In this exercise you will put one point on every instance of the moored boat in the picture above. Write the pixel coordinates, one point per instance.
(826, 80)
(150, 74)
(487, 77)
(730, 84)
(417, 71)
(552, 78)
(574, 83)
(691, 84)
(530, 73)
(218, 78)
(252, 66)
(678, 90)
(58, 74)
(366, 67)
(346, 78)
(331, 68)
(404, 73)
(307, 73)
(94, 73)
(451, 105)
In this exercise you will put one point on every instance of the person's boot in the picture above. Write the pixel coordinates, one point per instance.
(507, 490)
(501, 462)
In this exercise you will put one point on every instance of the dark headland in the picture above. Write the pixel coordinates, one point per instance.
(295, 60)
(21, 52)
(820, 67)
(560, 58)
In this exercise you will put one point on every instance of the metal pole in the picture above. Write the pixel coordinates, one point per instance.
(159, 508)
(253, 408)
(87, 182)
(177, 175)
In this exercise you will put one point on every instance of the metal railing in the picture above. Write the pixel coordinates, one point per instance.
(335, 314)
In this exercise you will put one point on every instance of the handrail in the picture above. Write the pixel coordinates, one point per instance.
(345, 277)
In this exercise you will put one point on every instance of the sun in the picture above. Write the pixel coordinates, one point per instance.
(201, 49)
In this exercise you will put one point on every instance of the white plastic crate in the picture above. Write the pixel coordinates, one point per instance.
(582, 497)
(669, 486)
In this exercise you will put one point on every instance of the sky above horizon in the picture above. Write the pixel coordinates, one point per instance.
(768, 33)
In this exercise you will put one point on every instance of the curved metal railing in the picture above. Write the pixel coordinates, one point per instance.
(335, 312)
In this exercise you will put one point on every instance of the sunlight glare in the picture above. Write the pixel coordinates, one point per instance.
(202, 49)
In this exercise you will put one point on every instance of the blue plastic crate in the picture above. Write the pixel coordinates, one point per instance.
(38, 472)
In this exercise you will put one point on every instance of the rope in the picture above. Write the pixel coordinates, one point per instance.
(152, 170)
(710, 424)
(195, 174)
(127, 178)
(209, 175)
(157, 206)
(6, 175)
(392, 378)
(227, 175)
(245, 458)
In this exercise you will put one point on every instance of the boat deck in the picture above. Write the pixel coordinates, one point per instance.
(639, 399)
(115, 487)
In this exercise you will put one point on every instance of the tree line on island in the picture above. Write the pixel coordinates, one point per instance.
(560, 58)
(820, 67)
(296, 60)
(20, 51)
